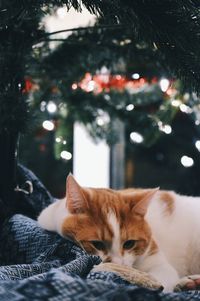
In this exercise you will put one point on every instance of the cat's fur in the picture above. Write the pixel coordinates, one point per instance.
(164, 225)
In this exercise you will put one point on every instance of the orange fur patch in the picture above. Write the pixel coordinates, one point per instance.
(168, 199)
(153, 248)
(91, 223)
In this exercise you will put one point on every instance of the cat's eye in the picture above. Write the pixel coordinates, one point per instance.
(98, 244)
(129, 244)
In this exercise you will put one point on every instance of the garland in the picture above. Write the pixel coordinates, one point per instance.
(172, 27)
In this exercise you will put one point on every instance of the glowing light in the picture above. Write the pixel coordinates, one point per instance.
(61, 12)
(166, 128)
(48, 125)
(91, 85)
(74, 86)
(197, 144)
(197, 122)
(51, 107)
(64, 142)
(107, 97)
(66, 155)
(186, 96)
(103, 118)
(136, 137)
(129, 107)
(100, 121)
(164, 84)
(185, 109)
(58, 139)
(135, 76)
(43, 106)
(176, 102)
(187, 161)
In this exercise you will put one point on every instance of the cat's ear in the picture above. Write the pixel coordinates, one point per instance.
(141, 207)
(76, 200)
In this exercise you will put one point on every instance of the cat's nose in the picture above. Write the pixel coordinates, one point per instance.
(117, 260)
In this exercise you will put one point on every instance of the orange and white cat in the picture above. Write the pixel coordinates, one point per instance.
(157, 232)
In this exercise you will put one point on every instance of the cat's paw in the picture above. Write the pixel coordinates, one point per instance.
(187, 283)
(129, 274)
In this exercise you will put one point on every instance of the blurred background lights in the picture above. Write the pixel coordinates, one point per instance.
(74, 86)
(103, 118)
(100, 121)
(135, 76)
(66, 155)
(187, 161)
(51, 107)
(91, 85)
(129, 107)
(43, 106)
(176, 102)
(48, 125)
(164, 84)
(197, 144)
(58, 139)
(136, 137)
(166, 128)
(185, 109)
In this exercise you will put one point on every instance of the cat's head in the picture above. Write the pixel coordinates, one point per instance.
(109, 223)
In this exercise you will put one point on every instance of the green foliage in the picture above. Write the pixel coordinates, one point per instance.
(120, 52)
(171, 27)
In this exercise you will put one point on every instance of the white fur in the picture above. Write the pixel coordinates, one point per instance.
(115, 248)
(178, 238)
(178, 235)
(115, 251)
(52, 217)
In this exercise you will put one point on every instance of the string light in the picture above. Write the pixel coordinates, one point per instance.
(51, 107)
(48, 125)
(164, 84)
(187, 161)
(99, 121)
(103, 118)
(66, 155)
(91, 86)
(185, 109)
(43, 106)
(176, 102)
(58, 139)
(136, 137)
(197, 144)
(135, 76)
(129, 107)
(74, 86)
(166, 128)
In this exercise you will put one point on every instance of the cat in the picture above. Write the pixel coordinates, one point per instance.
(154, 231)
